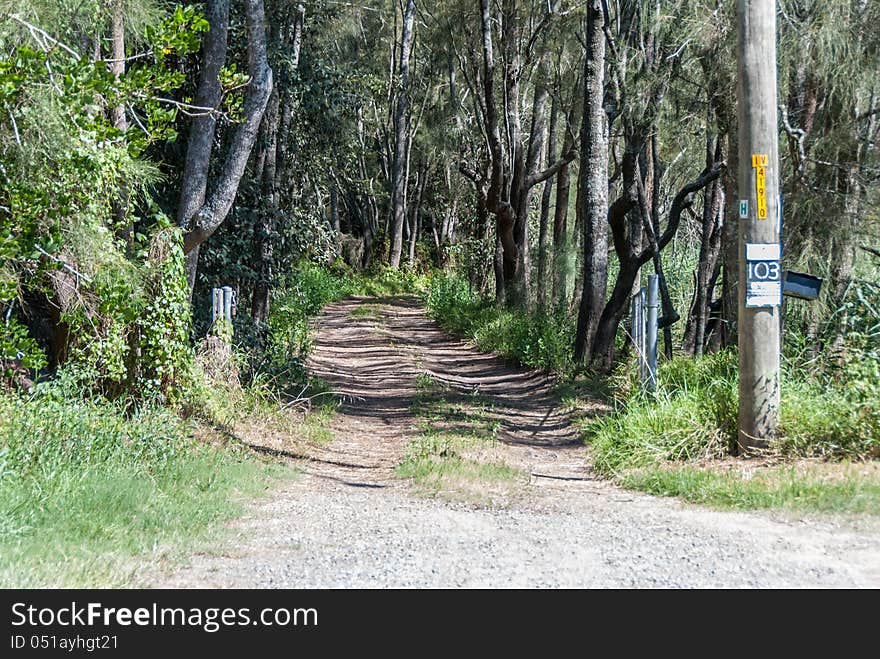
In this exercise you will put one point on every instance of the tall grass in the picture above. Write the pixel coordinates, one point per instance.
(85, 489)
(693, 415)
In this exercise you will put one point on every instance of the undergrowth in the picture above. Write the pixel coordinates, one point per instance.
(541, 339)
(89, 490)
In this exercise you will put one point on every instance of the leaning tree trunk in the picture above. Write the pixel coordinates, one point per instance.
(194, 181)
(206, 217)
(626, 225)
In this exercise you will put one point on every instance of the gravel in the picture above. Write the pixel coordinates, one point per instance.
(320, 534)
(347, 522)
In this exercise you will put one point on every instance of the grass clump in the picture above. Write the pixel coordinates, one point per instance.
(452, 456)
(850, 489)
(435, 466)
(88, 491)
(365, 312)
(691, 416)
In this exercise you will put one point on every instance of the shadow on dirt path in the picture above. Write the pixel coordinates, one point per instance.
(373, 352)
(349, 521)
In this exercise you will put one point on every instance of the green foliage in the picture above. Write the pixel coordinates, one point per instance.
(537, 340)
(817, 420)
(17, 346)
(75, 206)
(86, 488)
(165, 352)
(178, 34)
(131, 338)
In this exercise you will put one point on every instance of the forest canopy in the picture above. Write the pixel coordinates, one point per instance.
(549, 155)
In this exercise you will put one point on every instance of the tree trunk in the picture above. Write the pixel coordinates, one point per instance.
(498, 268)
(281, 171)
(511, 176)
(593, 181)
(334, 210)
(263, 247)
(204, 217)
(208, 218)
(201, 131)
(560, 229)
(401, 132)
(417, 213)
(543, 229)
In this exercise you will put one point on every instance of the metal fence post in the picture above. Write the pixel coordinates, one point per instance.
(217, 304)
(638, 332)
(227, 303)
(651, 347)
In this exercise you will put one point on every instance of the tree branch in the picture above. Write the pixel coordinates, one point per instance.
(684, 199)
(552, 170)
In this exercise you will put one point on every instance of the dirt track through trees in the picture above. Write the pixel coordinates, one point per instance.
(350, 521)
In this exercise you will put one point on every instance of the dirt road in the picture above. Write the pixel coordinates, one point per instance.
(350, 521)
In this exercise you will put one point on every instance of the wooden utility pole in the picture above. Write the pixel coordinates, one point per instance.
(760, 275)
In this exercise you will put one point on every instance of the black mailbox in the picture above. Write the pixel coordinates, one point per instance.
(801, 285)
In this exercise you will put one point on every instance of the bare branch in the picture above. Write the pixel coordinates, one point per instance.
(797, 135)
(553, 169)
(34, 29)
(14, 128)
(63, 264)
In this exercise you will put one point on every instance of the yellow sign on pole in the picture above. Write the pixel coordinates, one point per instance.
(759, 162)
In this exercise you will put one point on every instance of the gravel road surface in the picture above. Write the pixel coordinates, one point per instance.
(348, 521)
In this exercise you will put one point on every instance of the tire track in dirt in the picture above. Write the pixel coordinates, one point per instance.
(371, 352)
(348, 521)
